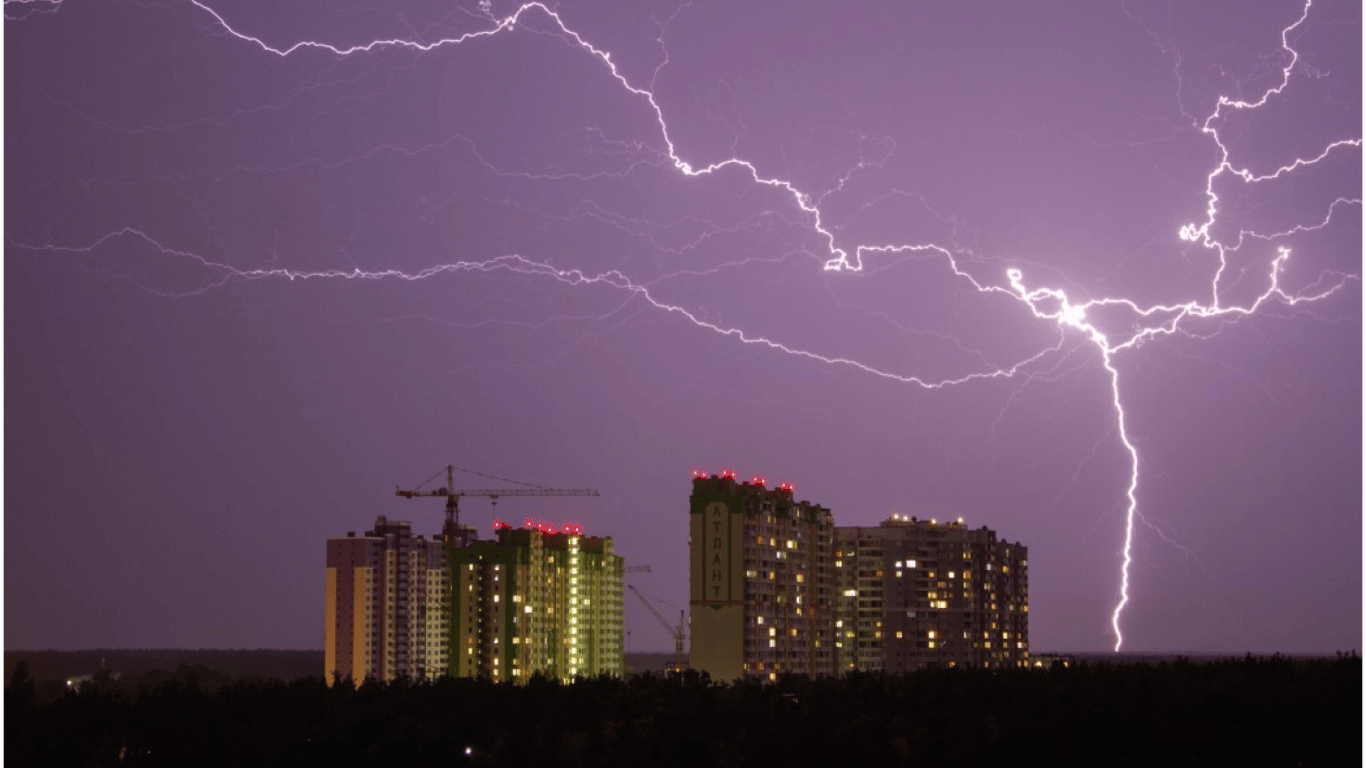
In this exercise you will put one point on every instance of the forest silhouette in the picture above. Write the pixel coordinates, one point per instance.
(1273, 711)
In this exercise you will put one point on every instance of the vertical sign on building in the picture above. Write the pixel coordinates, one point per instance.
(716, 552)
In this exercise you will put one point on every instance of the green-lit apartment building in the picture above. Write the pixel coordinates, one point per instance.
(536, 600)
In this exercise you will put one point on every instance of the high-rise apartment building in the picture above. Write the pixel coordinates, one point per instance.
(386, 605)
(917, 593)
(761, 580)
(536, 600)
(776, 588)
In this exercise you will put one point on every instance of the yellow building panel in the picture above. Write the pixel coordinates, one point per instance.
(359, 620)
(330, 620)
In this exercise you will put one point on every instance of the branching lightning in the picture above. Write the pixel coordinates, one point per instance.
(1070, 317)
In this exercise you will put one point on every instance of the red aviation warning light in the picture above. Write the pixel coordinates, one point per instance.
(758, 480)
(701, 473)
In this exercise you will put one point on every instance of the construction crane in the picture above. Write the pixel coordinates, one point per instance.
(679, 632)
(450, 532)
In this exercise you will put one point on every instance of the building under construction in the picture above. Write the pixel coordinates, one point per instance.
(535, 599)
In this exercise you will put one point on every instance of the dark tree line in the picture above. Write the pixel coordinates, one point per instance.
(1272, 711)
(268, 662)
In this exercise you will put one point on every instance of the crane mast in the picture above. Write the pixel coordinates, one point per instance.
(679, 632)
(451, 532)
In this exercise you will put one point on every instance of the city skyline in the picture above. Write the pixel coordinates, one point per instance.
(1087, 274)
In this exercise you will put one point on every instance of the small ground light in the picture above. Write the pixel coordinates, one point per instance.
(469, 750)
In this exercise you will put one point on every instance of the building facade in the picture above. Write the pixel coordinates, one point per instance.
(920, 593)
(385, 610)
(536, 600)
(761, 581)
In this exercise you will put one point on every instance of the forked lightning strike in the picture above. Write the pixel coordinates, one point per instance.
(1045, 304)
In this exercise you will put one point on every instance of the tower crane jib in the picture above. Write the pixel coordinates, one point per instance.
(450, 531)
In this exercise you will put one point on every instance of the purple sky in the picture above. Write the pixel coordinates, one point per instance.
(203, 382)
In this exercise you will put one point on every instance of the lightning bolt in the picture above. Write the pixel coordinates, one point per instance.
(18, 10)
(1071, 318)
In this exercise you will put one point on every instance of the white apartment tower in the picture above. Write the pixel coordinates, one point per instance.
(386, 606)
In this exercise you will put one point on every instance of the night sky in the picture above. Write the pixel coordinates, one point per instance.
(264, 262)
